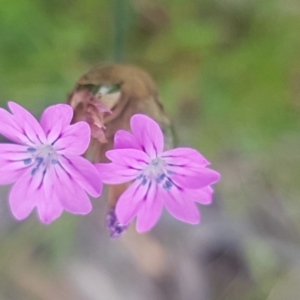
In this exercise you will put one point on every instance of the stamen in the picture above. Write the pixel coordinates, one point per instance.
(27, 161)
(140, 176)
(160, 178)
(39, 160)
(144, 181)
(33, 171)
(155, 162)
(167, 185)
(31, 150)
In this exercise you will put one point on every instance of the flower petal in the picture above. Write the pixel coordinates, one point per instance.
(125, 140)
(150, 209)
(54, 119)
(181, 208)
(74, 139)
(130, 201)
(72, 197)
(116, 174)
(49, 208)
(129, 157)
(12, 164)
(11, 129)
(148, 134)
(28, 123)
(24, 195)
(193, 179)
(84, 173)
(185, 157)
(11, 172)
(13, 152)
(203, 196)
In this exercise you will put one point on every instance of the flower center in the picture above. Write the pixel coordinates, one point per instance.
(40, 158)
(156, 171)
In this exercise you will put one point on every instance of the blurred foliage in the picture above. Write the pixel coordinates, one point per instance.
(238, 60)
(228, 73)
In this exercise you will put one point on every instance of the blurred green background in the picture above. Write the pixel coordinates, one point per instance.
(228, 74)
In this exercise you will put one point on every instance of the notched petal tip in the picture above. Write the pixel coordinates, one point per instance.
(12, 104)
(18, 217)
(19, 110)
(147, 133)
(142, 228)
(64, 106)
(28, 124)
(74, 139)
(180, 208)
(203, 196)
(46, 220)
(195, 179)
(139, 119)
(125, 140)
(61, 113)
(216, 176)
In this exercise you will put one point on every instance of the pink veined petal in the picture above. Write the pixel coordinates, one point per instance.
(148, 134)
(12, 165)
(54, 119)
(193, 179)
(30, 191)
(13, 152)
(203, 196)
(129, 157)
(11, 171)
(150, 209)
(11, 129)
(24, 195)
(69, 194)
(84, 173)
(49, 207)
(74, 139)
(28, 123)
(186, 157)
(130, 201)
(180, 207)
(125, 140)
(116, 174)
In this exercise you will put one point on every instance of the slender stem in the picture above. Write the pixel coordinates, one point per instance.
(119, 30)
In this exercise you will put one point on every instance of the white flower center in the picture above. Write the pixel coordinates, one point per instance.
(156, 171)
(40, 158)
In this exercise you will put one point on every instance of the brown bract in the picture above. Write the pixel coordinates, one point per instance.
(136, 93)
(88, 108)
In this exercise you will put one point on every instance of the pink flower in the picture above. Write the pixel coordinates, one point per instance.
(174, 179)
(45, 164)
